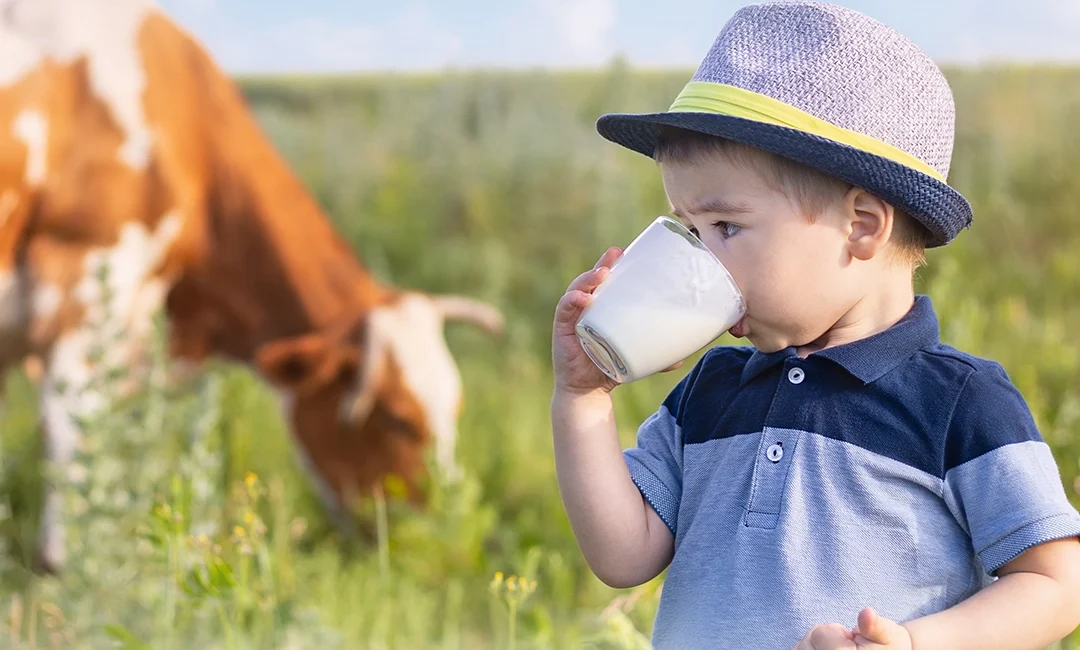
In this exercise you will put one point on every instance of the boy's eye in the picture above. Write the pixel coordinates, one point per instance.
(694, 230)
(726, 229)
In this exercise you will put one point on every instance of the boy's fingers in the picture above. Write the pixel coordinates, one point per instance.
(592, 278)
(830, 637)
(877, 629)
(570, 306)
(589, 280)
(609, 257)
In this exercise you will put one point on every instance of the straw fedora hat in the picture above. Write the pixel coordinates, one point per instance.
(828, 87)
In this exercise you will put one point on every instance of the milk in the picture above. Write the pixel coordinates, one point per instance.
(665, 298)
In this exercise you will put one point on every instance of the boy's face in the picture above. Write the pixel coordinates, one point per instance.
(790, 270)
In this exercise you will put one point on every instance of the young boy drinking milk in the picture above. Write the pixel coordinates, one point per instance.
(849, 481)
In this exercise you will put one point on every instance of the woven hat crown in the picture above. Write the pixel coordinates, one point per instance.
(841, 66)
(830, 88)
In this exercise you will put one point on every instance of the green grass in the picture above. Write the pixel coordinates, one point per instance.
(495, 185)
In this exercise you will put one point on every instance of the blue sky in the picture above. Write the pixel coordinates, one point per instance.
(339, 35)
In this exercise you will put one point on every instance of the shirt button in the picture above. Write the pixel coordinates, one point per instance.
(775, 452)
(796, 375)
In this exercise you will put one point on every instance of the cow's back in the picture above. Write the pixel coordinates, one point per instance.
(103, 163)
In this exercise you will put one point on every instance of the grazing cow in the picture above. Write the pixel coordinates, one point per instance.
(134, 178)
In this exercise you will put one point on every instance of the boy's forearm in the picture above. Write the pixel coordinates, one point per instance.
(605, 508)
(1020, 610)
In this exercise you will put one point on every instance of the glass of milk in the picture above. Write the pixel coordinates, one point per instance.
(664, 299)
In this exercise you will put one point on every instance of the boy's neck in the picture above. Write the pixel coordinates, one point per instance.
(874, 312)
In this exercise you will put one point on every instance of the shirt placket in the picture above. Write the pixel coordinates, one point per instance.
(776, 450)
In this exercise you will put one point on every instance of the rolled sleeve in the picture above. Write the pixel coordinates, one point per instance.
(1005, 549)
(1010, 500)
(1002, 482)
(655, 464)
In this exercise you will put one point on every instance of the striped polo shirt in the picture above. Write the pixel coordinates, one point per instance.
(894, 472)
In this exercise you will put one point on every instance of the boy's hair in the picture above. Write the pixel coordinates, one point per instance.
(811, 189)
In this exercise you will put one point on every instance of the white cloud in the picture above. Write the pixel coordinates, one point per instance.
(1068, 10)
(410, 40)
(551, 33)
(426, 34)
(189, 8)
(585, 28)
(1032, 31)
(672, 51)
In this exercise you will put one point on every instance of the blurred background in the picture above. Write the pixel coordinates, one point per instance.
(452, 144)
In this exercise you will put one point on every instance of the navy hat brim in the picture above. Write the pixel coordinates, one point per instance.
(939, 207)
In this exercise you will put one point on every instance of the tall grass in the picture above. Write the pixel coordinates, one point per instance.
(194, 525)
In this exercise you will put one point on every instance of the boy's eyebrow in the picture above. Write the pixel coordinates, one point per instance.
(715, 206)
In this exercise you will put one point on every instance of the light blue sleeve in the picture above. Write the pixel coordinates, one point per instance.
(656, 461)
(1001, 481)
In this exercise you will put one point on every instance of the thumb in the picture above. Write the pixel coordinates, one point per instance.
(877, 629)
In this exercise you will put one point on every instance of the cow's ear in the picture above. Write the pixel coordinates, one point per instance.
(295, 362)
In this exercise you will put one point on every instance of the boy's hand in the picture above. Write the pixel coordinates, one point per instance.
(872, 633)
(574, 370)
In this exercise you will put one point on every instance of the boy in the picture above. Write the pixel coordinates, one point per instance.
(850, 481)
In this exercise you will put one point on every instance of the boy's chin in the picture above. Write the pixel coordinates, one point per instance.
(767, 349)
(765, 343)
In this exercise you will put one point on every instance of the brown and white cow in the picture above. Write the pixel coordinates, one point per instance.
(123, 146)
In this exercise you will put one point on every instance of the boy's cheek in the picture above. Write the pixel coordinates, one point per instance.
(736, 264)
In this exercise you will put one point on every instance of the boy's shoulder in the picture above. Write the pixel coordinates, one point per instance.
(961, 360)
(989, 413)
(979, 382)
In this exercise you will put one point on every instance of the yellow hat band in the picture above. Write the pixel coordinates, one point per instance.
(708, 97)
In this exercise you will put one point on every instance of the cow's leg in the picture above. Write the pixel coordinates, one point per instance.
(115, 314)
(67, 394)
(74, 390)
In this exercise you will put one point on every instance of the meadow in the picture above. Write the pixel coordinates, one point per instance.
(193, 525)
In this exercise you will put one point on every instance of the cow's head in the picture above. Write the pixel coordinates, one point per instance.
(366, 400)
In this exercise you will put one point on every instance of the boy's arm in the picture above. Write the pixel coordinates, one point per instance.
(1003, 486)
(1035, 602)
(622, 538)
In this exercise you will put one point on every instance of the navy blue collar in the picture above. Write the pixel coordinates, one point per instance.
(870, 358)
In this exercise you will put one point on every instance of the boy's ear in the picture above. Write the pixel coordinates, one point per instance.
(870, 223)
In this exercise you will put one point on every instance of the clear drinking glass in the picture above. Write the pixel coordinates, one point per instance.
(664, 299)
